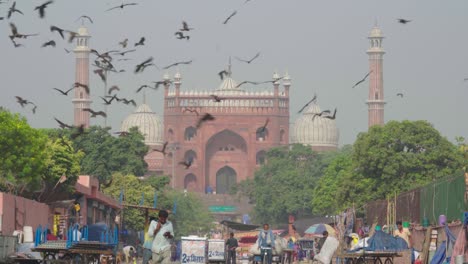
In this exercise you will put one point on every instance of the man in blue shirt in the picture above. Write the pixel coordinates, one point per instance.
(266, 242)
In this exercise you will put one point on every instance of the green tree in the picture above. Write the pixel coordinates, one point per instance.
(158, 182)
(106, 154)
(285, 183)
(23, 154)
(403, 155)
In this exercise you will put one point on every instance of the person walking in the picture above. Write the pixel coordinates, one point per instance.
(162, 233)
(403, 233)
(231, 245)
(147, 254)
(266, 243)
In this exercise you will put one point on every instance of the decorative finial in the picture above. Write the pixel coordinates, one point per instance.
(229, 67)
(166, 76)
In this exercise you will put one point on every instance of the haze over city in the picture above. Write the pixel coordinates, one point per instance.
(321, 44)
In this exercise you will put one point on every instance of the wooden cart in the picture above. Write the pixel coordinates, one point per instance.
(368, 257)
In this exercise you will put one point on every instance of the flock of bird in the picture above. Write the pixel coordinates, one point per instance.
(104, 63)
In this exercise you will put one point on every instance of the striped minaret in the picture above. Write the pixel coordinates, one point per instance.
(81, 99)
(376, 92)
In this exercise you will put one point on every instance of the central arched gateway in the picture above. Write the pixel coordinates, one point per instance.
(226, 160)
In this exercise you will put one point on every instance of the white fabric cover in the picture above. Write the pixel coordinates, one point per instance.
(327, 251)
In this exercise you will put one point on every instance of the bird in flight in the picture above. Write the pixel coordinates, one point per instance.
(185, 27)
(244, 82)
(22, 101)
(249, 61)
(363, 79)
(125, 52)
(112, 98)
(141, 67)
(187, 163)
(165, 82)
(127, 102)
(403, 21)
(229, 17)
(42, 8)
(121, 6)
(113, 88)
(141, 42)
(95, 113)
(400, 94)
(321, 113)
(77, 84)
(308, 103)
(177, 63)
(13, 10)
(62, 124)
(190, 110)
(87, 17)
(59, 30)
(180, 35)
(101, 74)
(163, 150)
(15, 34)
(49, 43)
(332, 117)
(124, 43)
(216, 98)
(222, 74)
(64, 92)
(263, 128)
(144, 86)
(206, 117)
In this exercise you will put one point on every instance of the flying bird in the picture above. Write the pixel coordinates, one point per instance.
(124, 43)
(71, 36)
(321, 113)
(113, 88)
(121, 6)
(144, 86)
(229, 17)
(403, 21)
(87, 17)
(108, 102)
(95, 113)
(187, 163)
(249, 61)
(101, 74)
(263, 128)
(64, 92)
(180, 35)
(216, 98)
(206, 117)
(400, 94)
(125, 52)
(141, 42)
(185, 27)
(59, 30)
(34, 108)
(331, 117)
(158, 83)
(62, 124)
(244, 82)
(15, 34)
(163, 150)
(308, 103)
(13, 10)
(190, 110)
(49, 43)
(363, 79)
(141, 67)
(42, 8)
(127, 102)
(21, 101)
(222, 74)
(77, 84)
(177, 63)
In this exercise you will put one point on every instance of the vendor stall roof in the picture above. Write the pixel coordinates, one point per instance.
(239, 226)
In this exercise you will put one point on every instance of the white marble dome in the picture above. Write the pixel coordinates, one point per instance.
(318, 132)
(148, 123)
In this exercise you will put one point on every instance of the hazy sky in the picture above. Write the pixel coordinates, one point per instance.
(321, 43)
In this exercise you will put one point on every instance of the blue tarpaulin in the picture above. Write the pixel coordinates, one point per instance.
(382, 241)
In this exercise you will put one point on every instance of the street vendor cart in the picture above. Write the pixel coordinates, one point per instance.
(370, 257)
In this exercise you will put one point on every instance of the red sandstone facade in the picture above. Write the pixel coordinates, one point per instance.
(228, 149)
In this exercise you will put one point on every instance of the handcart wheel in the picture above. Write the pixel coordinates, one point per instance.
(389, 261)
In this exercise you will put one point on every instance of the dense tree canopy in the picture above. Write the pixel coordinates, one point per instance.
(284, 184)
(393, 158)
(23, 154)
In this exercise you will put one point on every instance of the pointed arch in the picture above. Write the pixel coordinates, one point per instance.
(260, 157)
(190, 133)
(190, 182)
(226, 178)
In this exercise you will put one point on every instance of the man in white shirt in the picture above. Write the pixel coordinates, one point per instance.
(129, 252)
(162, 232)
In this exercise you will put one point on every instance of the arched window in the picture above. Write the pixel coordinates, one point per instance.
(170, 135)
(282, 135)
(190, 133)
(260, 157)
(262, 134)
(190, 182)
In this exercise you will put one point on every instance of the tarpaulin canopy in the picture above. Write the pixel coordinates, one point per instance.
(239, 226)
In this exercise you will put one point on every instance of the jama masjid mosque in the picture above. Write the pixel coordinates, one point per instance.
(230, 148)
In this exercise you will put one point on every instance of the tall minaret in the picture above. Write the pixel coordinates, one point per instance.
(81, 99)
(376, 92)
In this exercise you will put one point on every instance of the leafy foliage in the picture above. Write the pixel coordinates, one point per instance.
(285, 183)
(23, 152)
